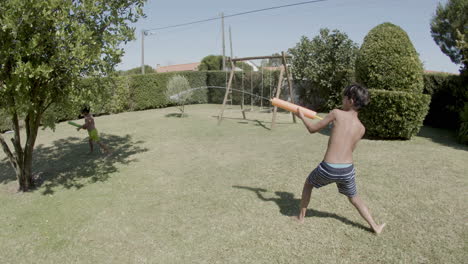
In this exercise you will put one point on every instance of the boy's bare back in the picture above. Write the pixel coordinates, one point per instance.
(346, 132)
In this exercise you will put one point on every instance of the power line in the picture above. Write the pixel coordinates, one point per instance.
(233, 15)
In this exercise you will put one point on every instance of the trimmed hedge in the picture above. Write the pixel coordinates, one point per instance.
(400, 114)
(388, 60)
(447, 101)
(148, 91)
(390, 67)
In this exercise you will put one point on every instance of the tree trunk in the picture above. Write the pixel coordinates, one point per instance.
(21, 160)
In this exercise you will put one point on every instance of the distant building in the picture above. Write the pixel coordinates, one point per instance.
(194, 67)
(178, 67)
(427, 71)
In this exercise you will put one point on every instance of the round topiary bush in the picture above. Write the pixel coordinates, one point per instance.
(389, 66)
(388, 60)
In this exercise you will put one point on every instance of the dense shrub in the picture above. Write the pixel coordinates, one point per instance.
(148, 91)
(400, 114)
(463, 130)
(5, 123)
(211, 63)
(327, 63)
(390, 67)
(179, 92)
(388, 60)
(447, 101)
(136, 70)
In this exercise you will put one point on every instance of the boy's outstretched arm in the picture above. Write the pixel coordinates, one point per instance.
(314, 127)
(84, 126)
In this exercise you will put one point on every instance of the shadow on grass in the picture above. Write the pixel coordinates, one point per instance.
(66, 163)
(256, 121)
(176, 115)
(442, 136)
(289, 206)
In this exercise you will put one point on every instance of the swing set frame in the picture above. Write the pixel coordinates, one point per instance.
(284, 70)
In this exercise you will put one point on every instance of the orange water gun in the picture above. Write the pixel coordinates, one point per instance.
(293, 108)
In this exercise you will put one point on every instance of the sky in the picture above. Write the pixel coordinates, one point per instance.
(267, 32)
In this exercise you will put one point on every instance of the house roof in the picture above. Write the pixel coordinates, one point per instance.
(428, 71)
(179, 67)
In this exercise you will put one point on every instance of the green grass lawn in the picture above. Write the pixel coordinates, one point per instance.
(185, 190)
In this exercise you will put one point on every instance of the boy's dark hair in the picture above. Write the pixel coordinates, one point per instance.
(358, 93)
(85, 109)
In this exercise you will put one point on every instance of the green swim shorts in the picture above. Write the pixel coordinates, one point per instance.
(93, 135)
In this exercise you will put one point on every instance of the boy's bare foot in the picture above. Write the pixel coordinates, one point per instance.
(379, 228)
(298, 219)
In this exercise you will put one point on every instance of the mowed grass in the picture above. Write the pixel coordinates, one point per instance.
(185, 190)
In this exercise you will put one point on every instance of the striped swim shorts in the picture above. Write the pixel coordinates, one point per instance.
(325, 174)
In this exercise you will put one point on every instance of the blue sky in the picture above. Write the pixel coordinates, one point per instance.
(273, 31)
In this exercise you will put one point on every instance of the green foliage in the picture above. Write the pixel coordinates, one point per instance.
(44, 55)
(215, 63)
(178, 91)
(449, 30)
(46, 47)
(5, 121)
(389, 66)
(327, 62)
(388, 60)
(399, 114)
(447, 101)
(148, 91)
(211, 63)
(463, 130)
(135, 71)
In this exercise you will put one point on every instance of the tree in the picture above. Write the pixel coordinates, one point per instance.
(178, 92)
(136, 70)
(211, 63)
(327, 62)
(215, 63)
(45, 48)
(449, 30)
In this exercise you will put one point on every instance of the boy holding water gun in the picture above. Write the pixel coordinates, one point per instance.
(92, 131)
(337, 165)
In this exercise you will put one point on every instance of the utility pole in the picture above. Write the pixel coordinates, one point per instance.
(230, 42)
(143, 51)
(224, 46)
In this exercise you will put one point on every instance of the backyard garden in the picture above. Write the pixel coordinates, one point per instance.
(179, 186)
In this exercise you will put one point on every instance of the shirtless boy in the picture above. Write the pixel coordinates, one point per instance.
(337, 166)
(92, 131)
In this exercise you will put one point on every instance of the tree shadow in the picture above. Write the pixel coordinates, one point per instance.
(289, 206)
(66, 163)
(442, 136)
